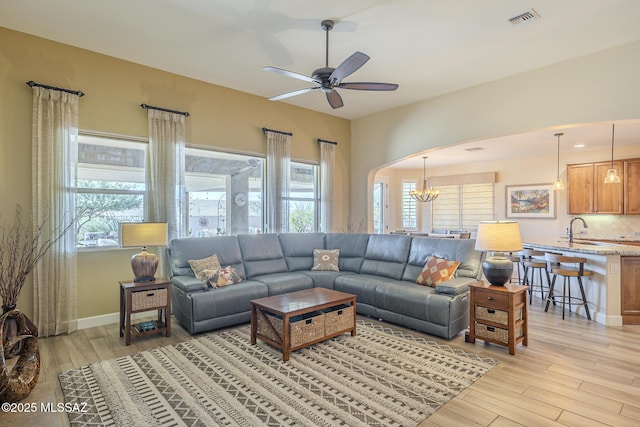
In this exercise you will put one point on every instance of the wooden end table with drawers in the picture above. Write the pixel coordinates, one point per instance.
(498, 314)
(136, 297)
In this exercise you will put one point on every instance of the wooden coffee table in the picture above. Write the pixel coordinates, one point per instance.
(286, 306)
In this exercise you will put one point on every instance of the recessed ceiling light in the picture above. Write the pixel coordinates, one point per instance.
(578, 146)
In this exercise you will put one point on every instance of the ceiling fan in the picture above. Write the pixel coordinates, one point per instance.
(327, 79)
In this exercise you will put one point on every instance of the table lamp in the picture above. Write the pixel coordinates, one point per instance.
(498, 237)
(143, 234)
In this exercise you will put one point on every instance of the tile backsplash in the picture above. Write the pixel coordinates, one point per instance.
(610, 226)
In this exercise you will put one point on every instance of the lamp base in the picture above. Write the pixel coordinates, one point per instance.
(144, 266)
(497, 269)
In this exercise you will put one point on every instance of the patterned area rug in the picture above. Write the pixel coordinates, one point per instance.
(381, 377)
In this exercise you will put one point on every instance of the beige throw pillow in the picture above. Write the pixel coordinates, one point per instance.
(199, 265)
(325, 259)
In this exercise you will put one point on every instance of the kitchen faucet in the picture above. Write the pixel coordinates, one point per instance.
(571, 227)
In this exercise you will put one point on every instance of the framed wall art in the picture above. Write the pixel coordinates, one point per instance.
(530, 201)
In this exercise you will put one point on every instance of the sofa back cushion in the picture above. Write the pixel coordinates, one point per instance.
(262, 254)
(227, 249)
(352, 249)
(386, 255)
(298, 249)
(462, 250)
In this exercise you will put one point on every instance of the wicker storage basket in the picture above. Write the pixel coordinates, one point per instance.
(496, 334)
(303, 329)
(496, 316)
(338, 318)
(148, 300)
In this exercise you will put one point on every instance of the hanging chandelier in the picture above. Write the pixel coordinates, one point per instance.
(612, 174)
(427, 194)
(558, 184)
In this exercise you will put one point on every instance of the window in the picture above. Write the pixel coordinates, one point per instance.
(225, 192)
(409, 206)
(462, 207)
(303, 198)
(110, 188)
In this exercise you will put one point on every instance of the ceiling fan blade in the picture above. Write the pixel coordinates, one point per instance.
(294, 93)
(335, 100)
(348, 67)
(291, 74)
(368, 86)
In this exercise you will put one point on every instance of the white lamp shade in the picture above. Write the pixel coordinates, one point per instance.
(498, 236)
(143, 234)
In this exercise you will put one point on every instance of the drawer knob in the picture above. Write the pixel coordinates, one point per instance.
(490, 298)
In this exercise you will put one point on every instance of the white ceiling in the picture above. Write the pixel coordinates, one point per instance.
(428, 47)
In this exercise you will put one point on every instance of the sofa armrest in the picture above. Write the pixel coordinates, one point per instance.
(456, 286)
(188, 284)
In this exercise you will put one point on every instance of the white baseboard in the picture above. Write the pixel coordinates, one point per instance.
(107, 319)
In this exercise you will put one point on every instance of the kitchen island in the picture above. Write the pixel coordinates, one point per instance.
(613, 289)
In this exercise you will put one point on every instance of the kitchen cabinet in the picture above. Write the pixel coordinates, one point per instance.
(587, 193)
(632, 187)
(630, 290)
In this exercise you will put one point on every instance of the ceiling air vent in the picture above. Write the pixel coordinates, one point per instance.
(472, 149)
(523, 18)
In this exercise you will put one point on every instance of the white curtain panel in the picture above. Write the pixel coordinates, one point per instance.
(55, 154)
(327, 171)
(166, 178)
(278, 179)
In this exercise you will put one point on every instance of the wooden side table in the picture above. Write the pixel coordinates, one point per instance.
(498, 314)
(136, 297)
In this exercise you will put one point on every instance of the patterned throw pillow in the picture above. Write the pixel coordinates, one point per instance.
(436, 271)
(208, 263)
(325, 259)
(222, 277)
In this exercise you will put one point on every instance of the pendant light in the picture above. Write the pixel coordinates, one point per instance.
(612, 174)
(427, 194)
(558, 184)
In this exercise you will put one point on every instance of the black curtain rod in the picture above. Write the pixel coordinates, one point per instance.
(265, 130)
(151, 107)
(328, 142)
(31, 83)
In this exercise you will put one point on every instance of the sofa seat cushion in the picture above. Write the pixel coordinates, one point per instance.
(413, 300)
(227, 300)
(363, 286)
(282, 283)
(325, 279)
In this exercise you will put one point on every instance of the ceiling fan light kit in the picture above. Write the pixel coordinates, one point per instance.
(327, 79)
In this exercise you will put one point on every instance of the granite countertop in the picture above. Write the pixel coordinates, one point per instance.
(582, 246)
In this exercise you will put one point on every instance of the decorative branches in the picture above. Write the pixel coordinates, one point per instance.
(22, 245)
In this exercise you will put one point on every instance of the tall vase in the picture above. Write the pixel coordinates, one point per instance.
(11, 330)
(17, 383)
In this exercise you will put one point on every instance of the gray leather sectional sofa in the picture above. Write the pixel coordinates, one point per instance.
(380, 270)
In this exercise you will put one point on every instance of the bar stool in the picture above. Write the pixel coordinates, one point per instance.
(557, 267)
(514, 257)
(532, 260)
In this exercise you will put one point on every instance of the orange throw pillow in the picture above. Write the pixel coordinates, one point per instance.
(436, 271)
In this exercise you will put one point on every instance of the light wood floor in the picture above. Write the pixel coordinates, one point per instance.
(574, 372)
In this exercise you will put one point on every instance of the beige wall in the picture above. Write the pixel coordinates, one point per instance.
(594, 88)
(522, 171)
(114, 90)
